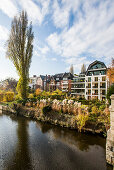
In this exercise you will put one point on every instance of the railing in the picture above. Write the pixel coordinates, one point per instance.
(94, 93)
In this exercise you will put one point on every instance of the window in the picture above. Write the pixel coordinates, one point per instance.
(96, 78)
(89, 91)
(57, 78)
(90, 73)
(96, 92)
(89, 85)
(103, 92)
(96, 85)
(96, 72)
(89, 79)
(103, 72)
(103, 78)
(96, 66)
(64, 78)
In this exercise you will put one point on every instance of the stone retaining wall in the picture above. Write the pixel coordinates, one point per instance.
(110, 136)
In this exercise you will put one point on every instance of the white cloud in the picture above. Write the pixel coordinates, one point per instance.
(8, 7)
(61, 12)
(35, 12)
(41, 52)
(3, 33)
(91, 33)
(44, 50)
(54, 59)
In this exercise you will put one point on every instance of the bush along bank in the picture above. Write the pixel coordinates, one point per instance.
(67, 113)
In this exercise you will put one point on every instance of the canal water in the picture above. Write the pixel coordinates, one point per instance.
(29, 145)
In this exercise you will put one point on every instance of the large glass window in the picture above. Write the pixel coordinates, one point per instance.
(96, 72)
(96, 66)
(89, 91)
(103, 78)
(96, 78)
(89, 85)
(89, 79)
(103, 72)
(90, 73)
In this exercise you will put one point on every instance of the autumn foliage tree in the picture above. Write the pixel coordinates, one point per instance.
(38, 92)
(20, 49)
(110, 72)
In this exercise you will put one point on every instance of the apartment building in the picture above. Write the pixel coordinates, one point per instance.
(61, 81)
(96, 81)
(40, 82)
(66, 82)
(93, 83)
(78, 85)
(33, 82)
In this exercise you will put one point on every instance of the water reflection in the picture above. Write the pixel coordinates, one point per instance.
(71, 137)
(21, 158)
(27, 144)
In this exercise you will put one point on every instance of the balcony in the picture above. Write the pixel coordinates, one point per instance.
(81, 93)
(94, 93)
(96, 87)
(88, 87)
(103, 87)
(65, 83)
(65, 90)
(65, 87)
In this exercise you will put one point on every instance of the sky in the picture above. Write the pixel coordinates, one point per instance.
(65, 32)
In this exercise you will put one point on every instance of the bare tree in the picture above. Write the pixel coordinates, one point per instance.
(72, 70)
(83, 68)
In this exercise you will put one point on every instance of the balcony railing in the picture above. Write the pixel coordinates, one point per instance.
(102, 86)
(94, 93)
(95, 87)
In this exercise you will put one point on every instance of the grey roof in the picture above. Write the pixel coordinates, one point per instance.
(95, 62)
(42, 77)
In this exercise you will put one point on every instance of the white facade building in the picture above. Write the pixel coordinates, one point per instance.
(93, 84)
(33, 82)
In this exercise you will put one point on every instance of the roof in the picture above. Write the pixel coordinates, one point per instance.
(96, 62)
(42, 77)
(68, 75)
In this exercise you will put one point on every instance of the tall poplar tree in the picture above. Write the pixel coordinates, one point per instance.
(20, 49)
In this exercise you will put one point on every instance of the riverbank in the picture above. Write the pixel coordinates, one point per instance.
(80, 122)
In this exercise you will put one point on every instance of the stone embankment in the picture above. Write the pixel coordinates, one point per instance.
(6, 109)
(110, 136)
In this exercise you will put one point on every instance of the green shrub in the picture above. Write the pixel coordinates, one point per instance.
(102, 107)
(81, 120)
(110, 92)
(6, 96)
(95, 110)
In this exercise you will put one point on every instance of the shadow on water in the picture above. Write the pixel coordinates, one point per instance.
(35, 145)
(81, 140)
(21, 158)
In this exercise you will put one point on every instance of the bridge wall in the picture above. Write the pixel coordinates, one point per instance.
(110, 136)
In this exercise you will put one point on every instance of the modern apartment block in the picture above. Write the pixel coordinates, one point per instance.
(96, 82)
(93, 83)
(78, 85)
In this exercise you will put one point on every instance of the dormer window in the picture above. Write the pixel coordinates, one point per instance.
(57, 78)
(65, 78)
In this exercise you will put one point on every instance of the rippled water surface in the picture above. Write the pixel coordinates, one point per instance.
(28, 145)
